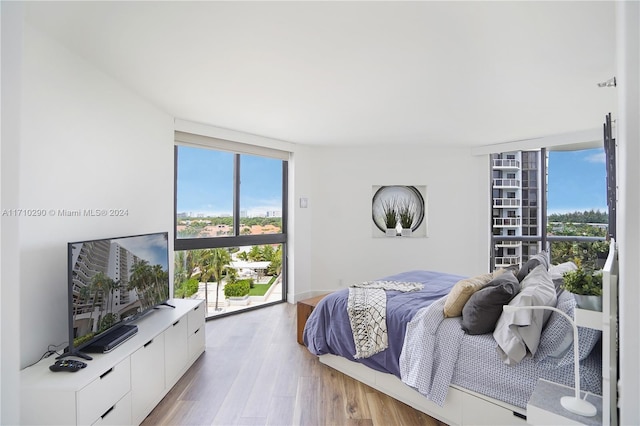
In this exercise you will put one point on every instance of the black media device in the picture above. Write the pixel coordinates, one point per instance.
(67, 365)
(112, 282)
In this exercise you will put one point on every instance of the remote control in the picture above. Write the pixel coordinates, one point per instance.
(67, 365)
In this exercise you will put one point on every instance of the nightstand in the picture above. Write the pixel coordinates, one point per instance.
(305, 307)
(544, 406)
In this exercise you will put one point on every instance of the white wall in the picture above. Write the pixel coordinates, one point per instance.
(11, 15)
(628, 128)
(86, 143)
(457, 213)
(300, 254)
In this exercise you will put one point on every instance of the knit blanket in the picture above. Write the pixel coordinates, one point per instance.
(367, 310)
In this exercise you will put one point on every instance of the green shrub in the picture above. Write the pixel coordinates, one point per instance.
(186, 289)
(583, 281)
(238, 289)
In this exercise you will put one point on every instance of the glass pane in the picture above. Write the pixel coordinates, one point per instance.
(222, 276)
(204, 194)
(260, 195)
(577, 187)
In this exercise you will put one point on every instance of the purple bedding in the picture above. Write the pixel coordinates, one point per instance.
(328, 330)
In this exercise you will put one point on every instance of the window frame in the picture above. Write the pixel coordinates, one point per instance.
(535, 243)
(237, 240)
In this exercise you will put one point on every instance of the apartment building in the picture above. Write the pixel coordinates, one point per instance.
(516, 212)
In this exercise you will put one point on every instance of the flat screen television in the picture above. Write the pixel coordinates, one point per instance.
(112, 282)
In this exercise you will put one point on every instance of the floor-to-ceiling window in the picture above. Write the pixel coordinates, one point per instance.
(230, 223)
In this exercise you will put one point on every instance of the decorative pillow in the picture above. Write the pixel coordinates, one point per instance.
(481, 312)
(557, 274)
(519, 332)
(461, 292)
(513, 269)
(541, 258)
(556, 341)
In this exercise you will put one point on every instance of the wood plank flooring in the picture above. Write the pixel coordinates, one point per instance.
(253, 372)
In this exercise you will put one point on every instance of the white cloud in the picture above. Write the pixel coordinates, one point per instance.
(596, 158)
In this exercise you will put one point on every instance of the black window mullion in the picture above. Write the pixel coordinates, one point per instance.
(236, 195)
(543, 198)
(285, 196)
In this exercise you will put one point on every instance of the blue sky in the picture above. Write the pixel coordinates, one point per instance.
(151, 247)
(205, 182)
(577, 181)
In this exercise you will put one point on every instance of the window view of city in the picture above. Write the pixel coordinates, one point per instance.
(209, 226)
(576, 206)
(238, 197)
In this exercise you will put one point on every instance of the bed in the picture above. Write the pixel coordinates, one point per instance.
(434, 365)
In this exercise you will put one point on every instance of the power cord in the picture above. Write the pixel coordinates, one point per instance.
(51, 350)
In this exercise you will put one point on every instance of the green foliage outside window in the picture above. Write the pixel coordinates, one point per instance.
(589, 254)
(186, 288)
(239, 288)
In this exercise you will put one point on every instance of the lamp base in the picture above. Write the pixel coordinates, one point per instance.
(578, 406)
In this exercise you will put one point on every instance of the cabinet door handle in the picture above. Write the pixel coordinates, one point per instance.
(196, 308)
(148, 343)
(106, 372)
(107, 412)
(176, 323)
(196, 332)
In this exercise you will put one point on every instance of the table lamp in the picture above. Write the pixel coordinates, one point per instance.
(571, 403)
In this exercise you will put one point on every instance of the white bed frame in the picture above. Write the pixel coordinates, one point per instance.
(464, 407)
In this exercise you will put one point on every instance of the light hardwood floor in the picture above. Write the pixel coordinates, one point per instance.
(253, 372)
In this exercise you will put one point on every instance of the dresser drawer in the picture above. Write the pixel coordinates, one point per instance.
(195, 318)
(118, 414)
(195, 342)
(102, 393)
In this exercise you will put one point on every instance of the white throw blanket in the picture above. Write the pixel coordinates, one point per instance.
(367, 309)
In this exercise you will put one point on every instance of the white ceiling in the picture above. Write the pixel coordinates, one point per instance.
(355, 73)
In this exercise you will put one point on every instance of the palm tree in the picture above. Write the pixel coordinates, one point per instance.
(112, 287)
(255, 254)
(179, 271)
(100, 282)
(219, 260)
(141, 280)
(201, 261)
(275, 267)
(242, 256)
(160, 280)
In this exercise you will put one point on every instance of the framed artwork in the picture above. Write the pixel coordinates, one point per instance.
(399, 211)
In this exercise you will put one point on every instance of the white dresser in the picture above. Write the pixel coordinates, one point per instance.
(123, 386)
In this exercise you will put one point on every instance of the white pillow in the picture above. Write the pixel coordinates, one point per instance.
(519, 332)
(557, 274)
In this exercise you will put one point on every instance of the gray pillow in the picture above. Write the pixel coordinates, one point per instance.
(518, 333)
(484, 307)
(541, 258)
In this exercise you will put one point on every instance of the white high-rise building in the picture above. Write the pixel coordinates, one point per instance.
(516, 185)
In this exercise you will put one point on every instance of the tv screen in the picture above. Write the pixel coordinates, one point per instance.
(113, 281)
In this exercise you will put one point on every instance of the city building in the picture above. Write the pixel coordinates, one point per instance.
(515, 192)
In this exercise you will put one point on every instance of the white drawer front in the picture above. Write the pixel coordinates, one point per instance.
(196, 318)
(480, 412)
(118, 415)
(175, 351)
(102, 393)
(196, 343)
(147, 378)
